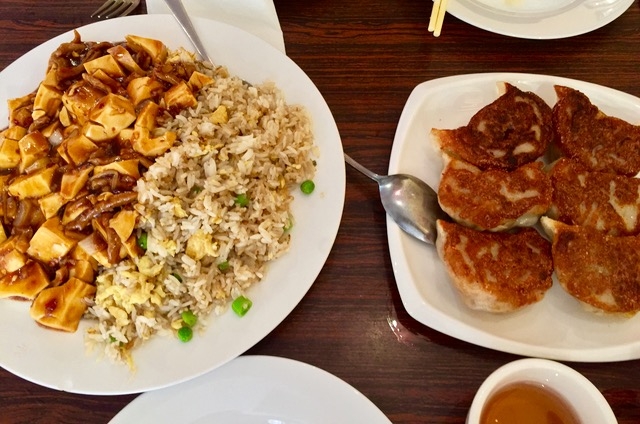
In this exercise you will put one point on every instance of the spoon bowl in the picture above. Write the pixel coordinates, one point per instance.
(408, 200)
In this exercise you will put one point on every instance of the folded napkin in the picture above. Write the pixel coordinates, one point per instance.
(257, 17)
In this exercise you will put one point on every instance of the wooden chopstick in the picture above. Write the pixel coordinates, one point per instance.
(437, 16)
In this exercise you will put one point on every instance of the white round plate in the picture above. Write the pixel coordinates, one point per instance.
(59, 360)
(256, 390)
(557, 327)
(538, 19)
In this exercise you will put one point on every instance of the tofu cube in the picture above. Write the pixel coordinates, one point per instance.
(79, 100)
(9, 153)
(77, 149)
(95, 132)
(12, 260)
(179, 97)
(197, 80)
(123, 223)
(124, 167)
(62, 307)
(151, 147)
(147, 116)
(37, 184)
(49, 244)
(33, 146)
(51, 203)
(95, 247)
(124, 58)
(24, 283)
(15, 132)
(74, 180)
(143, 88)
(47, 101)
(113, 113)
(131, 248)
(107, 64)
(20, 110)
(83, 270)
(154, 48)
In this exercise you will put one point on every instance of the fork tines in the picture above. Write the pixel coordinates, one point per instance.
(115, 8)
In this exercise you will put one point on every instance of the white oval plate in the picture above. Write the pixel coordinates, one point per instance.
(538, 19)
(256, 390)
(557, 327)
(59, 360)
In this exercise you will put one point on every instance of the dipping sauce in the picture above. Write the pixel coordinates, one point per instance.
(527, 403)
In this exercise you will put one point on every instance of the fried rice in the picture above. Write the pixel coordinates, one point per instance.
(215, 210)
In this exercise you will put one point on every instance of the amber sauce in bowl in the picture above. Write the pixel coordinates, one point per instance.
(538, 391)
(527, 403)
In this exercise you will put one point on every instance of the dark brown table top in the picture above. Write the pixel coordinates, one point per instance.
(366, 57)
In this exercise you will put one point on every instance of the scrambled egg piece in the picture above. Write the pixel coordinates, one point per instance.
(178, 210)
(200, 245)
(119, 299)
(219, 116)
(148, 268)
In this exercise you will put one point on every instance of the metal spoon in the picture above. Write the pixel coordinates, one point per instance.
(409, 201)
(179, 12)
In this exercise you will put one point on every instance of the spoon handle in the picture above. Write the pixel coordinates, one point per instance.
(365, 171)
(185, 23)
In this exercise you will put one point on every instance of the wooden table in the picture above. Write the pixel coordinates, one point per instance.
(366, 57)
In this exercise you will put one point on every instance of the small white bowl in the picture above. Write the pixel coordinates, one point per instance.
(587, 401)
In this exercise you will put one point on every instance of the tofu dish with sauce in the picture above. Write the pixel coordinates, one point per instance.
(143, 190)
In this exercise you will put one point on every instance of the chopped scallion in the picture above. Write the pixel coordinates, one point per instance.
(223, 266)
(196, 189)
(241, 305)
(241, 200)
(142, 240)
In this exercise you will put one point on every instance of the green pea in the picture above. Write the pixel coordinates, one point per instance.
(223, 266)
(185, 334)
(307, 186)
(189, 318)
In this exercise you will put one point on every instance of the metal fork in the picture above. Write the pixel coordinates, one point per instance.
(115, 8)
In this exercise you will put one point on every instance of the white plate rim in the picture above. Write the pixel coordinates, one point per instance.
(578, 18)
(44, 360)
(463, 325)
(317, 394)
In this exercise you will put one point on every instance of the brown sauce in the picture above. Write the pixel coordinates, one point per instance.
(527, 403)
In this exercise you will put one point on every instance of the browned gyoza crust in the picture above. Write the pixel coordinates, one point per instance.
(600, 142)
(601, 200)
(496, 199)
(513, 130)
(496, 272)
(600, 270)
